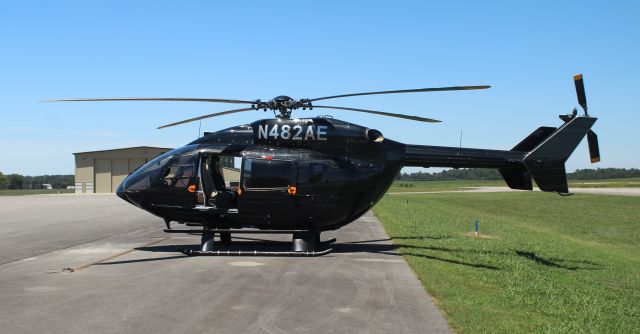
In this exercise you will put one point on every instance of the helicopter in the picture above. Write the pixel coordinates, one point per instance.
(305, 176)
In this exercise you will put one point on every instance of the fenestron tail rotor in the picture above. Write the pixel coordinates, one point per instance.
(592, 137)
(283, 105)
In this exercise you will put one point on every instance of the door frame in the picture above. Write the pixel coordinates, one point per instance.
(286, 191)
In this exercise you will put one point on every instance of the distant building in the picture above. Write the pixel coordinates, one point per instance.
(230, 173)
(103, 171)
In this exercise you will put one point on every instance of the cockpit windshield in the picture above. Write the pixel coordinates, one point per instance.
(173, 169)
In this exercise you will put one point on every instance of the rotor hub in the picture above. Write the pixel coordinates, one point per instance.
(282, 105)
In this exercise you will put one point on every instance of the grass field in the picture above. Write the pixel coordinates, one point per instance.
(449, 185)
(542, 263)
(608, 183)
(20, 192)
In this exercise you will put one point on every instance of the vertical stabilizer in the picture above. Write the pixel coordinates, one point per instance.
(546, 161)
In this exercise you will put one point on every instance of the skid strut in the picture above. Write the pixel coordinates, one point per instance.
(206, 242)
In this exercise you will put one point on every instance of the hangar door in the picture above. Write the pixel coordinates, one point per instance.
(135, 163)
(103, 175)
(109, 173)
(119, 171)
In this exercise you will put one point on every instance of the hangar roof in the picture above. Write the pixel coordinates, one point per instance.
(127, 148)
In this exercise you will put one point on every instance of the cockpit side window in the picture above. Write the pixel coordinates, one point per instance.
(180, 171)
(261, 173)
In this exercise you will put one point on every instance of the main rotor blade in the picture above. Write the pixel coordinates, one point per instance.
(438, 89)
(206, 116)
(184, 99)
(582, 97)
(413, 118)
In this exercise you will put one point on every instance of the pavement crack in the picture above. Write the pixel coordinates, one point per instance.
(114, 256)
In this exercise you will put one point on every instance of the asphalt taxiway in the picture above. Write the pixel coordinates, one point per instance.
(95, 264)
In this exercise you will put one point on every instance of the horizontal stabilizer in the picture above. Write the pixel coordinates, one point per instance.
(517, 177)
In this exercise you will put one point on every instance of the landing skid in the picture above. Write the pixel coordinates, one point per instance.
(253, 253)
(304, 242)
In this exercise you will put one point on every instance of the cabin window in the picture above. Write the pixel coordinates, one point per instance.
(260, 173)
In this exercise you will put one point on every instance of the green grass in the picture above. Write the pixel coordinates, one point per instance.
(607, 183)
(547, 264)
(451, 185)
(20, 192)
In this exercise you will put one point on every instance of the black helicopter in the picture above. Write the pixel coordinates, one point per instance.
(303, 176)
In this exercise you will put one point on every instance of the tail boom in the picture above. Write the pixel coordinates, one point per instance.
(540, 156)
(442, 156)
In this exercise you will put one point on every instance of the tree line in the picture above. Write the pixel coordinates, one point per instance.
(493, 174)
(17, 181)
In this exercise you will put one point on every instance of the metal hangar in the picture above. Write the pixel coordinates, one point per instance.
(103, 171)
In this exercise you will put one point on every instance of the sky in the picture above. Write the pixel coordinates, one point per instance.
(527, 51)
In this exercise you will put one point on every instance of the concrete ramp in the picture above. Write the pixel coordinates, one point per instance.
(132, 281)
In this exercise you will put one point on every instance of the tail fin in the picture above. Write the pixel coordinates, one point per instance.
(545, 160)
(547, 149)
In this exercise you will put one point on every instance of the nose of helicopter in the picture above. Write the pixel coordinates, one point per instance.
(121, 192)
(133, 187)
(140, 186)
(133, 197)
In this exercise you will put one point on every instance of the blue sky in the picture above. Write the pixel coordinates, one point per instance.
(527, 51)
